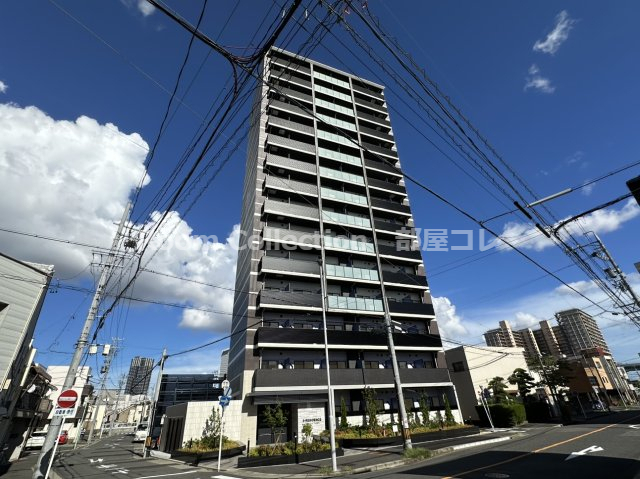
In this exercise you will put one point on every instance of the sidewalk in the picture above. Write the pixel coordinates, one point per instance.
(360, 460)
(22, 468)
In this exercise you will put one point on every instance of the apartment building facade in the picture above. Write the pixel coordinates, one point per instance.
(327, 227)
(139, 376)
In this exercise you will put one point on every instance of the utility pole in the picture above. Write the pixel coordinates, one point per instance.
(46, 455)
(101, 392)
(115, 407)
(152, 416)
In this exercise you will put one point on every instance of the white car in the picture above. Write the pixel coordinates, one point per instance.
(141, 433)
(36, 440)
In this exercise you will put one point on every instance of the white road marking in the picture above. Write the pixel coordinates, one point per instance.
(120, 471)
(167, 475)
(584, 452)
(107, 466)
(95, 460)
(635, 426)
(223, 477)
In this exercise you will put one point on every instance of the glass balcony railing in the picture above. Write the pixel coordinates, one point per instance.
(352, 273)
(341, 175)
(343, 157)
(345, 219)
(333, 93)
(351, 245)
(328, 193)
(334, 107)
(361, 304)
(345, 125)
(325, 135)
(330, 79)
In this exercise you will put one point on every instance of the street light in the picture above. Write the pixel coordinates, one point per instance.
(332, 409)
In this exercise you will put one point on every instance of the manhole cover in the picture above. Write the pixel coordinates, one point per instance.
(496, 475)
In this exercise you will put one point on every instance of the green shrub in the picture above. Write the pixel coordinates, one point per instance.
(417, 453)
(288, 449)
(503, 415)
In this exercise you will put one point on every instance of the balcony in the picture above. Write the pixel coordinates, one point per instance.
(330, 79)
(278, 161)
(405, 279)
(277, 122)
(351, 273)
(288, 76)
(314, 338)
(376, 134)
(290, 210)
(289, 93)
(348, 303)
(373, 119)
(350, 198)
(339, 139)
(371, 105)
(387, 186)
(341, 157)
(288, 107)
(293, 300)
(272, 264)
(396, 252)
(332, 93)
(339, 243)
(379, 150)
(347, 220)
(342, 176)
(342, 124)
(300, 238)
(334, 107)
(393, 228)
(382, 167)
(283, 379)
(411, 309)
(291, 186)
(290, 65)
(366, 91)
(390, 206)
(290, 144)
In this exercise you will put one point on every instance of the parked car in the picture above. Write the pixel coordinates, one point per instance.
(141, 433)
(37, 438)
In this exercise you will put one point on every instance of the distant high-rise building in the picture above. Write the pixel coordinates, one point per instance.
(327, 228)
(582, 331)
(224, 363)
(576, 332)
(139, 376)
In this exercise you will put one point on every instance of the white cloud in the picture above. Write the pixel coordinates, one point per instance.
(3, 87)
(525, 320)
(601, 221)
(145, 8)
(449, 322)
(72, 179)
(536, 81)
(587, 189)
(557, 36)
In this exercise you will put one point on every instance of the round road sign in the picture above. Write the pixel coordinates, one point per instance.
(67, 399)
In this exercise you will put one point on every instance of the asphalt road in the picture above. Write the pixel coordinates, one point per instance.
(606, 449)
(117, 457)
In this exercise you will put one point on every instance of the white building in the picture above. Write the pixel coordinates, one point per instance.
(472, 368)
(81, 385)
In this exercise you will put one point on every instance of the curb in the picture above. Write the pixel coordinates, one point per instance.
(375, 467)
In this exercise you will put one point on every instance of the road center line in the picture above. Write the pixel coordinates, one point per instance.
(535, 451)
(167, 475)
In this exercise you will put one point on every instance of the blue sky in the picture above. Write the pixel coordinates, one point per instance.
(552, 85)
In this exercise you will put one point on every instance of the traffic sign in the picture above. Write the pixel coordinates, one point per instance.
(67, 399)
(224, 401)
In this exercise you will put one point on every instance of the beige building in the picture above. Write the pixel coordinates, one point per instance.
(472, 368)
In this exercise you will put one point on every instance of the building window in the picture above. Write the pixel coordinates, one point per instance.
(458, 366)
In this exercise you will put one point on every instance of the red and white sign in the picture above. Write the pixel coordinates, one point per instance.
(67, 399)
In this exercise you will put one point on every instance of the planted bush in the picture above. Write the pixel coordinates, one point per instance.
(503, 415)
(288, 449)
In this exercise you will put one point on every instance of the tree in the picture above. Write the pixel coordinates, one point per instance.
(498, 386)
(343, 414)
(307, 429)
(275, 419)
(523, 380)
(371, 407)
(424, 410)
(211, 431)
(449, 420)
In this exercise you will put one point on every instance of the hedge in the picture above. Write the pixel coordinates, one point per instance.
(503, 415)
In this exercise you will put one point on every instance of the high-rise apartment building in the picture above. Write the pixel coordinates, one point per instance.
(139, 376)
(224, 363)
(327, 226)
(582, 331)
